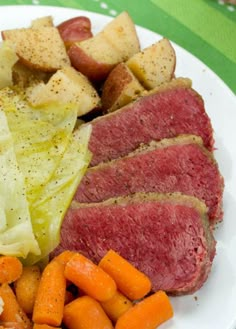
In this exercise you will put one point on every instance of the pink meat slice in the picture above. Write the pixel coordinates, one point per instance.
(160, 115)
(165, 236)
(181, 164)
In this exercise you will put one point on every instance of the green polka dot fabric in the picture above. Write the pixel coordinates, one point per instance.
(206, 28)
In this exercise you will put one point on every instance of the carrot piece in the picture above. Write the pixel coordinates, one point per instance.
(147, 314)
(12, 312)
(129, 280)
(85, 312)
(90, 278)
(43, 326)
(12, 325)
(116, 306)
(26, 287)
(10, 269)
(49, 302)
(64, 257)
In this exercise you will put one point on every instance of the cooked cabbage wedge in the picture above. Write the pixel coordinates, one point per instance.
(51, 158)
(48, 210)
(8, 59)
(40, 137)
(16, 233)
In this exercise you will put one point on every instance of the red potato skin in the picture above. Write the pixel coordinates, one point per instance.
(95, 71)
(75, 29)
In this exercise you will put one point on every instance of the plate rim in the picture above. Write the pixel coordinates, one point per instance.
(219, 81)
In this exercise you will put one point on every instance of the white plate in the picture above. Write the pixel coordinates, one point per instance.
(213, 306)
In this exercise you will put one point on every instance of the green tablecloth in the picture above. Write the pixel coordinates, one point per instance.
(206, 28)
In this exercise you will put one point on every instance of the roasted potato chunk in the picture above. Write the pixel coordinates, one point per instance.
(154, 65)
(65, 86)
(120, 88)
(39, 48)
(97, 56)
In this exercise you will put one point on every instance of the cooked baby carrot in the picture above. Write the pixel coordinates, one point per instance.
(116, 306)
(49, 302)
(147, 314)
(26, 287)
(64, 257)
(12, 325)
(85, 313)
(90, 278)
(12, 312)
(10, 269)
(130, 281)
(43, 326)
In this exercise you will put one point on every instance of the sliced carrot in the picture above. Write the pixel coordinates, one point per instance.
(26, 287)
(147, 314)
(130, 281)
(90, 278)
(85, 313)
(49, 302)
(10, 269)
(116, 306)
(12, 312)
(43, 326)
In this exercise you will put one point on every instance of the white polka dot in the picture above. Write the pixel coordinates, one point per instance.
(230, 8)
(103, 5)
(113, 12)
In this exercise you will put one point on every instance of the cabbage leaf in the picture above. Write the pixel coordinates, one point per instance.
(16, 233)
(8, 58)
(40, 137)
(50, 158)
(48, 211)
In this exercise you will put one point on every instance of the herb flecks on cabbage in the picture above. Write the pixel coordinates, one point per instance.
(40, 137)
(51, 158)
(16, 233)
(49, 209)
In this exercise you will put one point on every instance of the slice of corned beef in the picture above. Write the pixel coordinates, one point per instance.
(180, 164)
(164, 114)
(165, 236)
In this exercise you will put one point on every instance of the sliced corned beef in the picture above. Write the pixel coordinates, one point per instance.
(165, 236)
(180, 164)
(164, 114)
